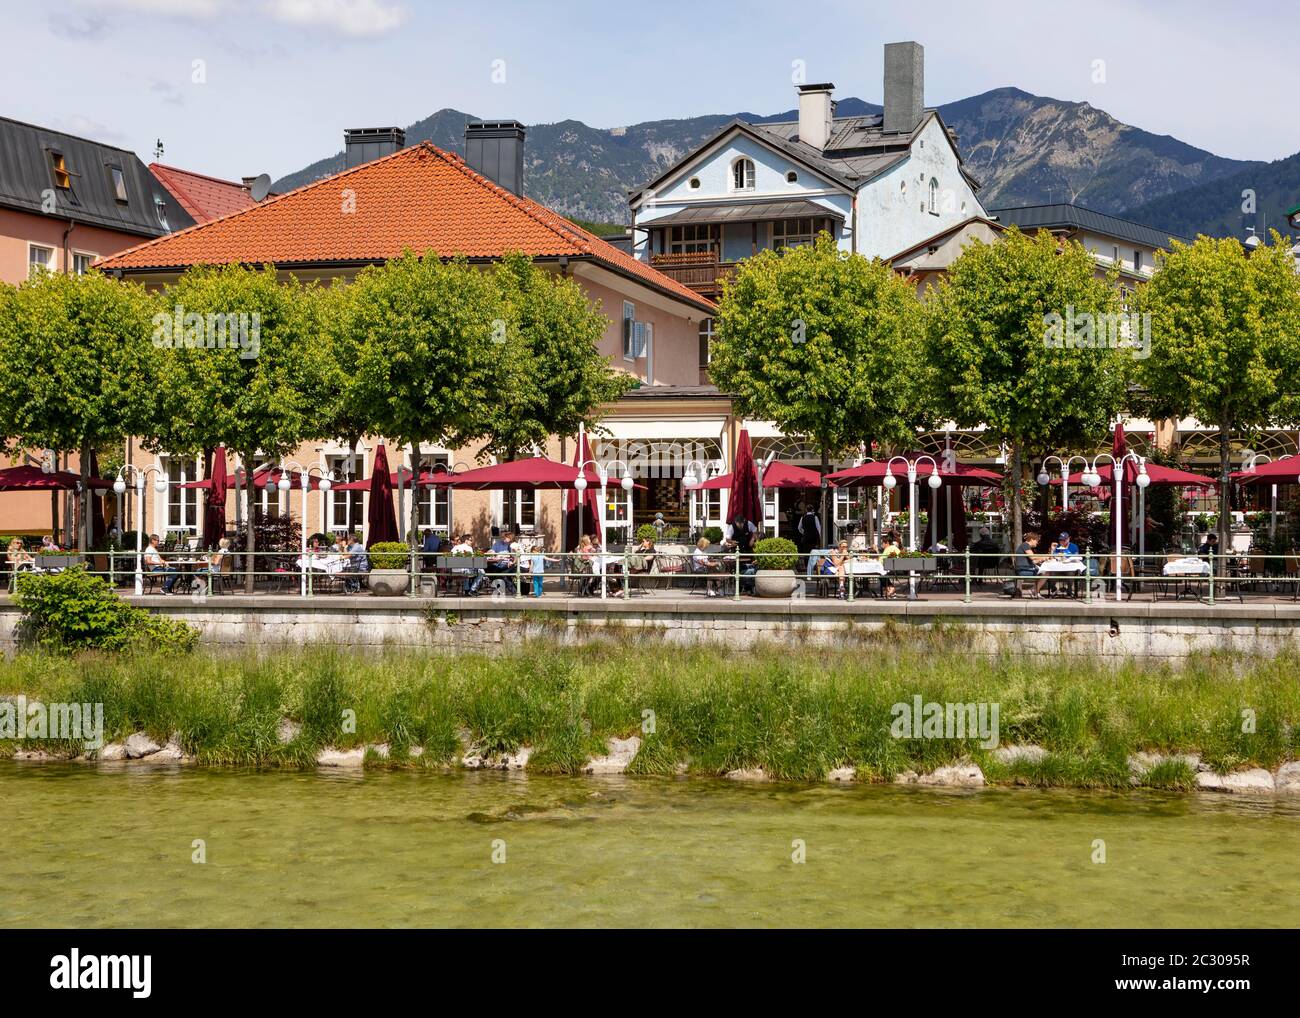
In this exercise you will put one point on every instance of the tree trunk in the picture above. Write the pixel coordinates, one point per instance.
(826, 464)
(1017, 475)
(250, 538)
(1225, 503)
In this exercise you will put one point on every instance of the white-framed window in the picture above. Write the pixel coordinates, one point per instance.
(81, 262)
(345, 510)
(519, 510)
(1114, 255)
(39, 259)
(794, 232)
(433, 504)
(706, 343)
(182, 503)
(271, 500)
(629, 331)
(1137, 261)
(694, 238)
(934, 196)
(742, 174)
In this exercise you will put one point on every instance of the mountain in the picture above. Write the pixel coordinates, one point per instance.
(1217, 207)
(1025, 149)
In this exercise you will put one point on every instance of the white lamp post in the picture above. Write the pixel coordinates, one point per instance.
(935, 482)
(580, 485)
(697, 472)
(324, 483)
(119, 486)
(1143, 479)
(1045, 478)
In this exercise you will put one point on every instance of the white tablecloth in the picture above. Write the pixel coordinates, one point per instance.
(1186, 567)
(867, 567)
(324, 563)
(1057, 566)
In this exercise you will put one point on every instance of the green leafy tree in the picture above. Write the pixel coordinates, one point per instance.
(998, 349)
(1225, 341)
(76, 366)
(254, 380)
(824, 344)
(551, 374)
(426, 364)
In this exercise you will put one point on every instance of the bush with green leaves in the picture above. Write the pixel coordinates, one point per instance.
(389, 555)
(776, 553)
(646, 532)
(75, 610)
(712, 534)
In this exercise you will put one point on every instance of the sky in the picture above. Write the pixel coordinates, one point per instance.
(239, 87)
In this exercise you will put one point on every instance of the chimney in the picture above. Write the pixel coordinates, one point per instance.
(495, 148)
(362, 144)
(816, 111)
(904, 86)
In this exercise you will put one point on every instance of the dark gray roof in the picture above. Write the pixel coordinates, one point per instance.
(1076, 217)
(858, 150)
(745, 213)
(27, 179)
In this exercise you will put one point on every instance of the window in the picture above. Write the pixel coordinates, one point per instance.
(118, 181)
(700, 239)
(519, 510)
(160, 209)
(344, 510)
(433, 508)
(795, 232)
(934, 196)
(629, 330)
(182, 503)
(694, 183)
(62, 177)
(1137, 261)
(706, 341)
(39, 259)
(792, 177)
(742, 175)
(1114, 256)
(81, 262)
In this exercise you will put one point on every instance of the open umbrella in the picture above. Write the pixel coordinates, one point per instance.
(381, 517)
(1283, 471)
(30, 478)
(214, 516)
(874, 473)
(743, 500)
(1158, 474)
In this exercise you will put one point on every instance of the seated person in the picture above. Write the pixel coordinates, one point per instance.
(1025, 561)
(358, 564)
(839, 561)
(1210, 546)
(19, 557)
(153, 563)
(429, 547)
(472, 578)
(889, 549)
(984, 552)
(215, 560)
(702, 562)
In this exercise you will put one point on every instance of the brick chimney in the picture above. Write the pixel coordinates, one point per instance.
(816, 111)
(904, 86)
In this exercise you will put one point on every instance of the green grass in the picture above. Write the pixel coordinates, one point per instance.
(796, 712)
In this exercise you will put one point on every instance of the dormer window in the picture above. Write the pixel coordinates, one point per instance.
(742, 175)
(62, 178)
(117, 179)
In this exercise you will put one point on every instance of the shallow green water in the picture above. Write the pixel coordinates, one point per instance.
(80, 847)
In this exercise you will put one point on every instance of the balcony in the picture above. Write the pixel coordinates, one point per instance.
(701, 271)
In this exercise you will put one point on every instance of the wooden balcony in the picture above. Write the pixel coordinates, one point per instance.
(701, 271)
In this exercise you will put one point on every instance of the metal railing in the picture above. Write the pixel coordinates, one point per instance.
(823, 573)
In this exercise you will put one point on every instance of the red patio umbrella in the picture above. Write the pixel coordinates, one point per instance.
(1157, 473)
(1283, 471)
(259, 479)
(381, 517)
(777, 475)
(582, 509)
(531, 473)
(97, 525)
(874, 473)
(427, 479)
(743, 500)
(214, 517)
(30, 478)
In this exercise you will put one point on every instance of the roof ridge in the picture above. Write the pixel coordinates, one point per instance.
(195, 173)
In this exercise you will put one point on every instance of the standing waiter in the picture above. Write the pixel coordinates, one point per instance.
(810, 535)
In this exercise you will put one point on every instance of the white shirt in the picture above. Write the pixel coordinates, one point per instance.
(151, 556)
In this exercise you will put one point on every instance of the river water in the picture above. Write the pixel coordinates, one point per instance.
(87, 847)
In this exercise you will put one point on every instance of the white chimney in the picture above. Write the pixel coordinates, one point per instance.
(816, 110)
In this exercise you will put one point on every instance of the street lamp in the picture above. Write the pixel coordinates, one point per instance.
(1092, 478)
(119, 487)
(1251, 459)
(1044, 478)
(890, 482)
(580, 485)
(324, 483)
(697, 472)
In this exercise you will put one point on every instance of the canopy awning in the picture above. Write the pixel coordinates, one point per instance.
(30, 478)
(1283, 471)
(777, 475)
(528, 474)
(1157, 473)
(873, 472)
(749, 212)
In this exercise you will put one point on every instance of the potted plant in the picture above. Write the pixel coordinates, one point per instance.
(912, 562)
(712, 534)
(776, 558)
(647, 532)
(390, 563)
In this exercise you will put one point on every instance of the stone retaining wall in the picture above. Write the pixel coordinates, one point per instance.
(1133, 629)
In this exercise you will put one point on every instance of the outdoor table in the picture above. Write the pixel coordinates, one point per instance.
(1187, 571)
(1062, 567)
(867, 567)
(330, 564)
(184, 568)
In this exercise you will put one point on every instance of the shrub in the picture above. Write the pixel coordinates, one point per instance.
(776, 553)
(646, 532)
(712, 534)
(75, 610)
(389, 555)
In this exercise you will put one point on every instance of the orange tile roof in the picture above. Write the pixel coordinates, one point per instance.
(204, 198)
(419, 198)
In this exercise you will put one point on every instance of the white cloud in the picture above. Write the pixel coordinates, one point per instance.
(200, 9)
(347, 17)
(85, 127)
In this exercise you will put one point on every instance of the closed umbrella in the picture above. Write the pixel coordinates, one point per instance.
(97, 526)
(743, 500)
(381, 517)
(214, 517)
(583, 507)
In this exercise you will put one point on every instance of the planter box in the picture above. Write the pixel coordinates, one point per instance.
(898, 564)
